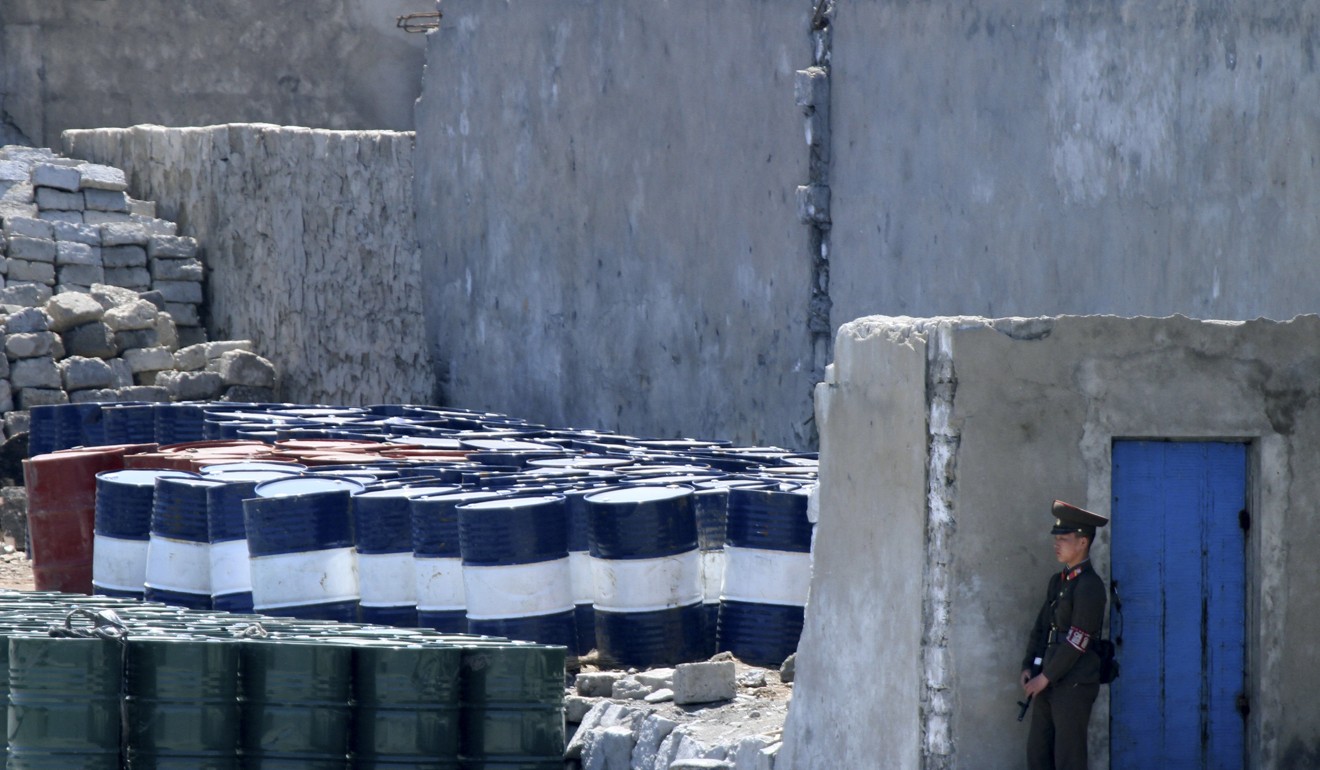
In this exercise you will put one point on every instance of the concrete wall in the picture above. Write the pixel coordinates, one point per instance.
(607, 215)
(325, 63)
(1032, 408)
(1001, 158)
(309, 243)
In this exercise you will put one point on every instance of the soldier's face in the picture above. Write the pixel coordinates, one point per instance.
(1070, 548)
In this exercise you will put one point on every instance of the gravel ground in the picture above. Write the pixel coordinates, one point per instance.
(15, 571)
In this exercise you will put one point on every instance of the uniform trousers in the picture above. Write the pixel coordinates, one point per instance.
(1059, 716)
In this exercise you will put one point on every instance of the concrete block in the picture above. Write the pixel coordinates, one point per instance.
(131, 339)
(74, 253)
(153, 226)
(151, 393)
(167, 334)
(663, 695)
(84, 233)
(177, 270)
(34, 373)
(602, 716)
(113, 296)
(31, 319)
(93, 340)
(629, 688)
(16, 423)
(138, 314)
(607, 749)
(128, 277)
(31, 228)
(186, 292)
(32, 272)
(184, 315)
(4, 368)
(191, 386)
(650, 734)
(33, 345)
(139, 208)
(789, 669)
(191, 335)
(123, 256)
(755, 752)
(121, 375)
(32, 249)
(94, 218)
(30, 397)
(69, 310)
(656, 678)
(149, 360)
(80, 373)
(53, 215)
(57, 176)
(80, 277)
(98, 177)
(50, 198)
(14, 171)
(590, 684)
(97, 395)
(704, 682)
(130, 233)
(239, 367)
(171, 247)
(105, 200)
(576, 707)
(154, 297)
(25, 295)
(6, 397)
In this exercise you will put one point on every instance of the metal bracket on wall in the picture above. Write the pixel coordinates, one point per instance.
(422, 21)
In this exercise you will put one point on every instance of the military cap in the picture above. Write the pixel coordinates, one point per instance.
(1070, 518)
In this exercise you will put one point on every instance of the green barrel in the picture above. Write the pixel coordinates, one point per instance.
(405, 706)
(295, 704)
(512, 714)
(64, 703)
(181, 704)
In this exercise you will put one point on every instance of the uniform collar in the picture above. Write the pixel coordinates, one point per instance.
(1071, 574)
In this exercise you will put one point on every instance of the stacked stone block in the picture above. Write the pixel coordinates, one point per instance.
(100, 300)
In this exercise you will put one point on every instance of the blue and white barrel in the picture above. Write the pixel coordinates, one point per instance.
(122, 529)
(712, 509)
(231, 572)
(643, 544)
(767, 573)
(179, 551)
(438, 559)
(129, 423)
(516, 579)
(382, 528)
(580, 572)
(300, 540)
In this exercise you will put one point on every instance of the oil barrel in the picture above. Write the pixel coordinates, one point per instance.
(179, 550)
(64, 700)
(512, 715)
(405, 706)
(124, 503)
(382, 530)
(438, 559)
(767, 573)
(295, 704)
(231, 573)
(181, 709)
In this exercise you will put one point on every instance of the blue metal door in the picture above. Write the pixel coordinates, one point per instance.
(1179, 525)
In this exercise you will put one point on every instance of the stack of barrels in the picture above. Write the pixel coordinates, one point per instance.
(652, 552)
(98, 682)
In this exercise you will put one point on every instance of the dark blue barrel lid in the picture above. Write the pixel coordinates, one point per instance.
(142, 477)
(230, 476)
(641, 522)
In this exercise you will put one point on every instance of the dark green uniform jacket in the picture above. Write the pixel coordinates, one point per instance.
(1067, 626)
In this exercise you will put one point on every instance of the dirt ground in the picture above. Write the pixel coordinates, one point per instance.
(15, 570)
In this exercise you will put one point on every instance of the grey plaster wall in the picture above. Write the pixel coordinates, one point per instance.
(1035, 406)
(1000, 158)
(326, 63)
(605, 198)
(309, 243)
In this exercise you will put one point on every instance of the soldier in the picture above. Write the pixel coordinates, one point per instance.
(1060, 671)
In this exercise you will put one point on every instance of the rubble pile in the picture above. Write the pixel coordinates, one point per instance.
(717, 714)
(99, 299)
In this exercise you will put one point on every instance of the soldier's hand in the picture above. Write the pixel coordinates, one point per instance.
(1038, 683)
(1026, 677)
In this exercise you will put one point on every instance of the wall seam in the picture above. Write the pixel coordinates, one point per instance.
(941, 486)
(811, 91)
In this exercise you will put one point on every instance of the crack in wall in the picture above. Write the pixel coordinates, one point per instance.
(812, 95)
(941, 486)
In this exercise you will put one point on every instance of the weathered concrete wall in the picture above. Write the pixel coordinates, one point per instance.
(1032, 414)
(606, 209)
(1001, 158)
(309, 243)
(325, 63)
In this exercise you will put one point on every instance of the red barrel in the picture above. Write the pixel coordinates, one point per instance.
(61, 490)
